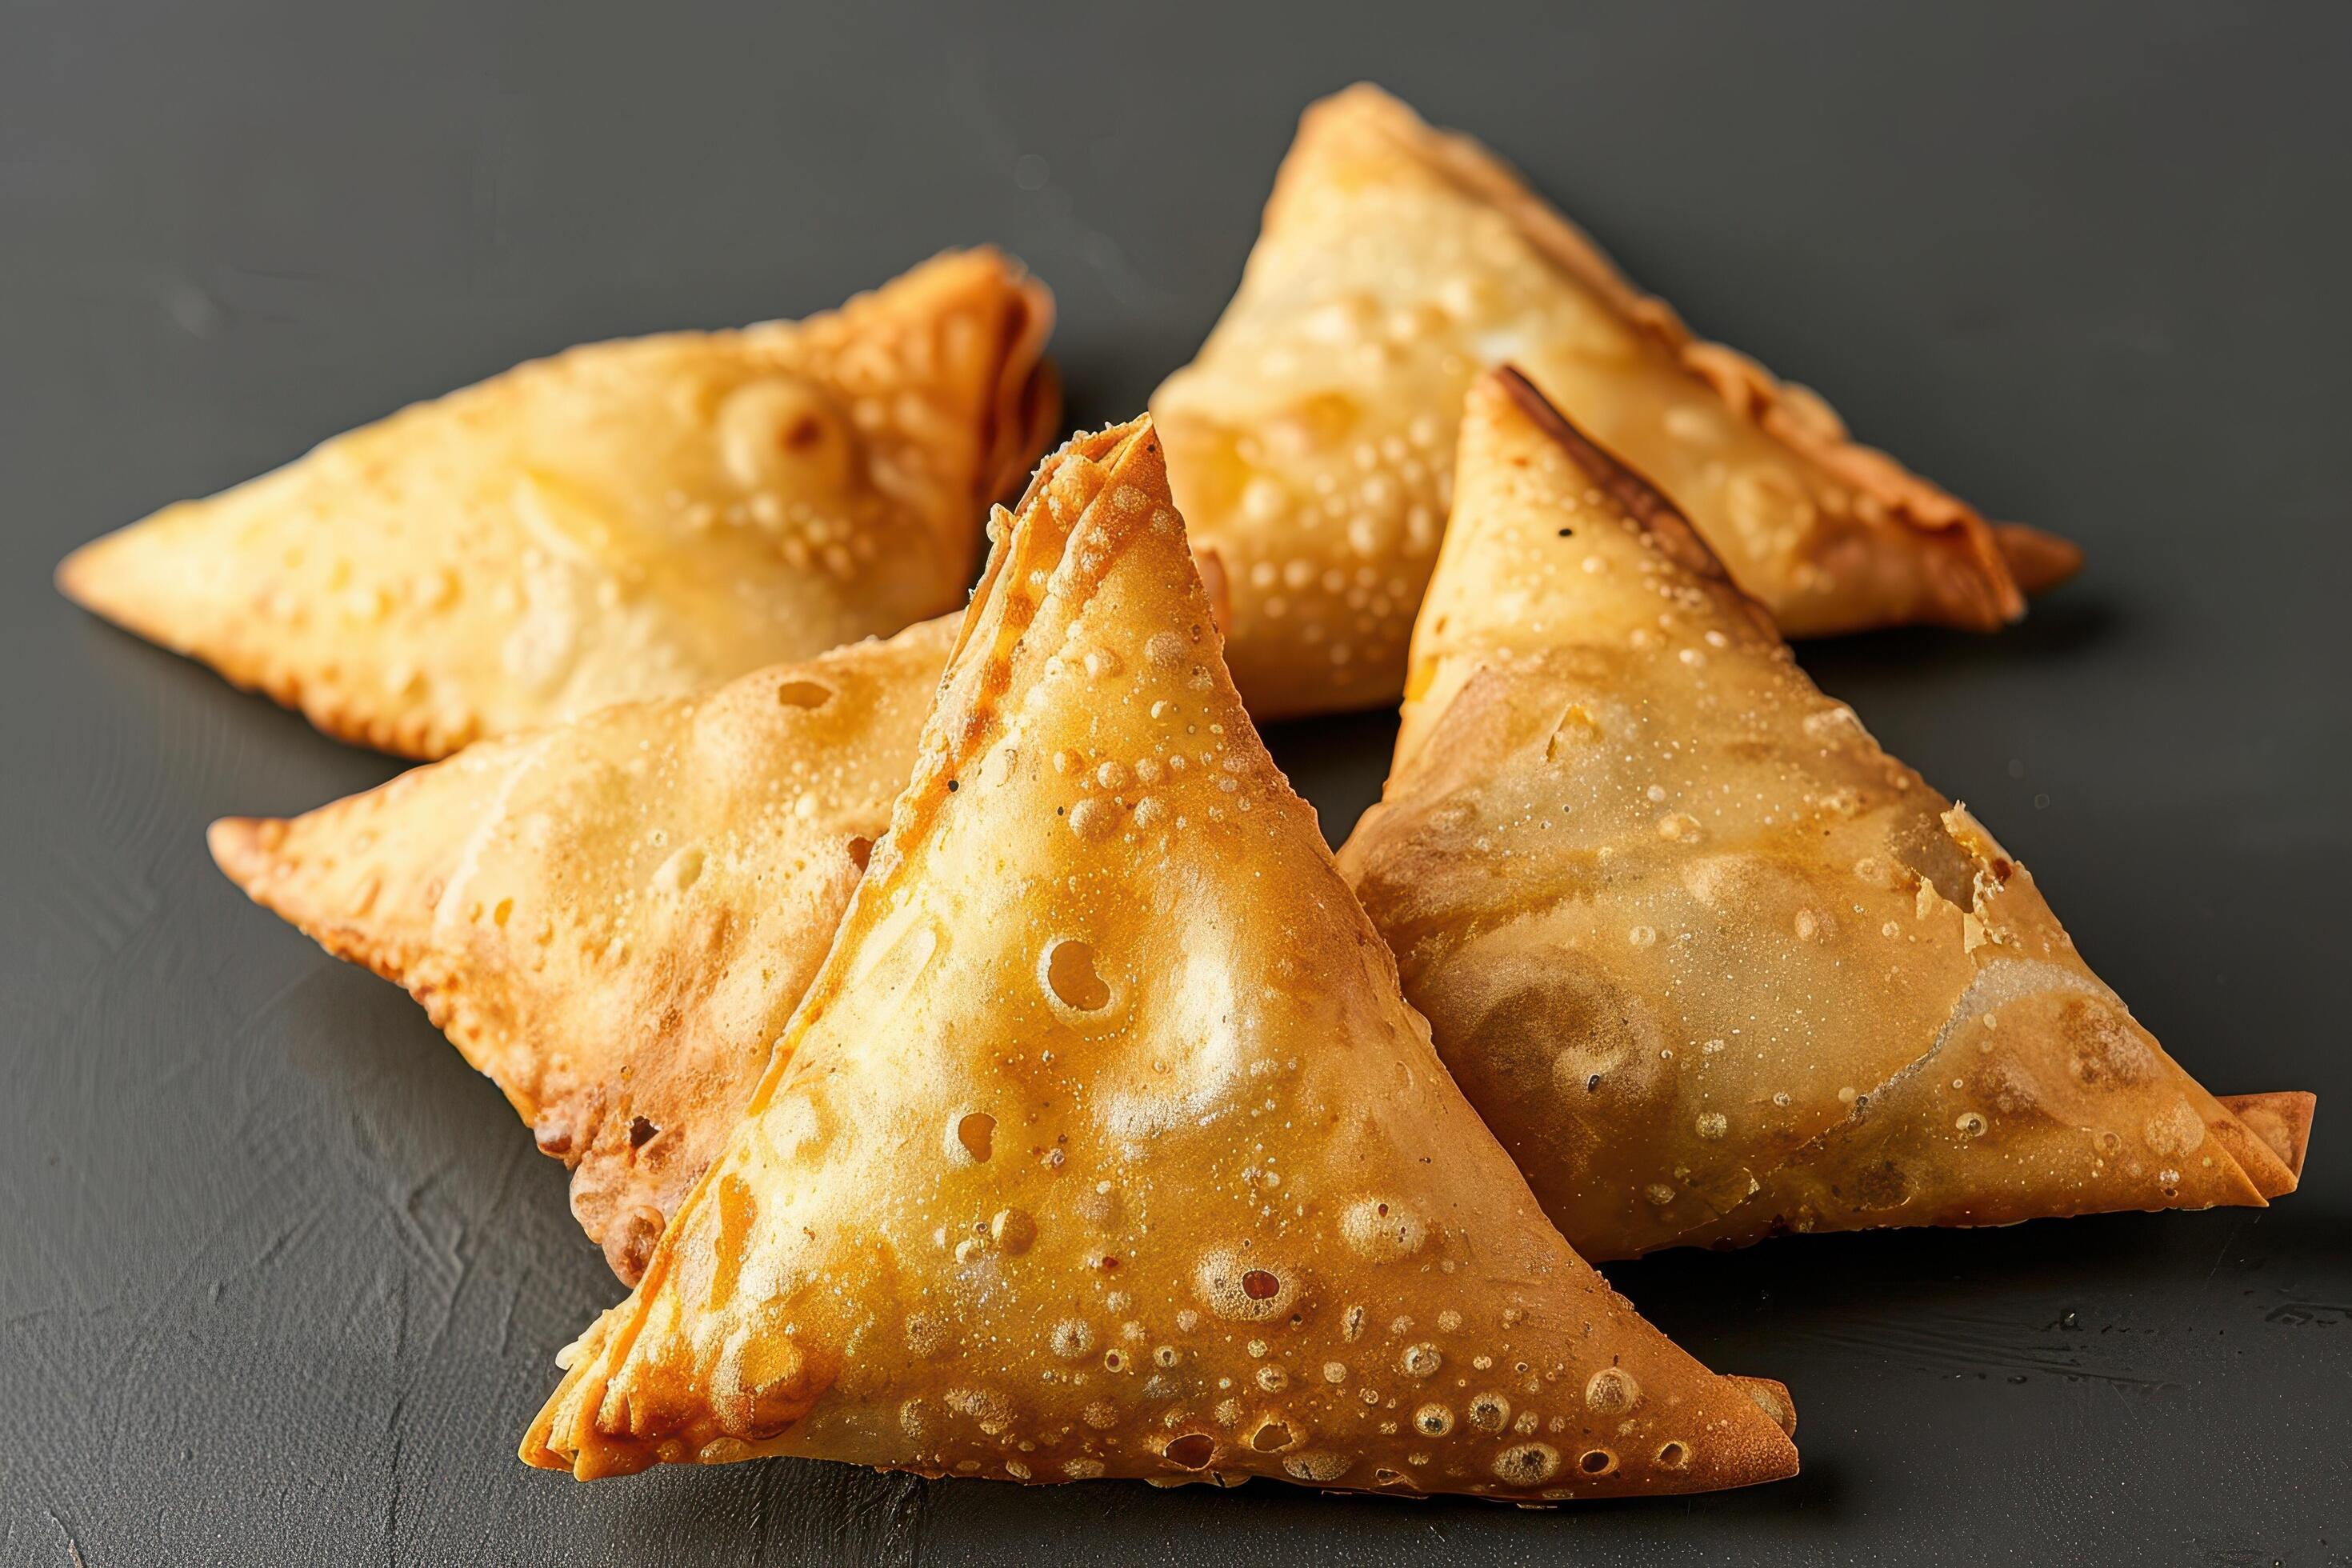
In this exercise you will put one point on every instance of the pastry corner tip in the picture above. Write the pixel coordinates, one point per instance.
(1108, 447)
(2281, 1119)
(238, 847)
(1771, 1453)
(81, 575)
(1363, 90)
(1644, 505)
(1361, 98)
(538, 1448)
(535, 1452)
(1771, 1396)
(2037, 561)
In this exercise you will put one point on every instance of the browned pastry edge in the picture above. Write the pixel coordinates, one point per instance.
(1027, 407)
(966, 715)
(241, 848)
(1642, 501)
(419, 735)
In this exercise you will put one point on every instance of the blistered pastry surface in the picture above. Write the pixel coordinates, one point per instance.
(624, 520)
(1708, 961)
(1104, 1145)
(612, 919)
(1311, 442)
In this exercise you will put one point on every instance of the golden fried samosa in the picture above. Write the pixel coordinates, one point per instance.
(626, 519)
(613, 918)
(1710, 964)
(1103, 1144)
(1312, 441)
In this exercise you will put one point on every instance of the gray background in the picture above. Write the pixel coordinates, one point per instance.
(280, 1279)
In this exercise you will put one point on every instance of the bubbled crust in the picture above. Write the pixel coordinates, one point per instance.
(624, 520)
(1194, 1201)
(1312, 439)
(612, 919)
(1712, 964)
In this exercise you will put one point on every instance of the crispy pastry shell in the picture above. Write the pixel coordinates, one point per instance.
(614, 917)
(1710, 964)
(1104, 1144)
(1312, 441)
(625, 520)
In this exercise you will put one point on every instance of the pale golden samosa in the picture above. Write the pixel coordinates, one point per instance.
(1103, 1143)
(614, 917)
(1312, 441)
(1710, 964)
(624, 520)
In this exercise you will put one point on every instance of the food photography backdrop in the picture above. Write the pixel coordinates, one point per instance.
(284, 1283)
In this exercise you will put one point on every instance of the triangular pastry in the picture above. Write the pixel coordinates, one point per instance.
(1710, 964)
(614, 917)
(626, 519)
(1312, 441)
(1103, 1144)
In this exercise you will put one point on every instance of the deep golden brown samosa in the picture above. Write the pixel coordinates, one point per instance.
(1710, 964)
(614, 917)
(1312, 441)
(1103, 1144)
(624, 520)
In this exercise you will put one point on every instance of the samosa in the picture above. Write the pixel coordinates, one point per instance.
(614, 917)
(1710, 964)
(625, 520)
(1312, 441)
(1104, 1144)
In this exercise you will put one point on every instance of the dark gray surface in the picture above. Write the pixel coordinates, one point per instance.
(280, 1279)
